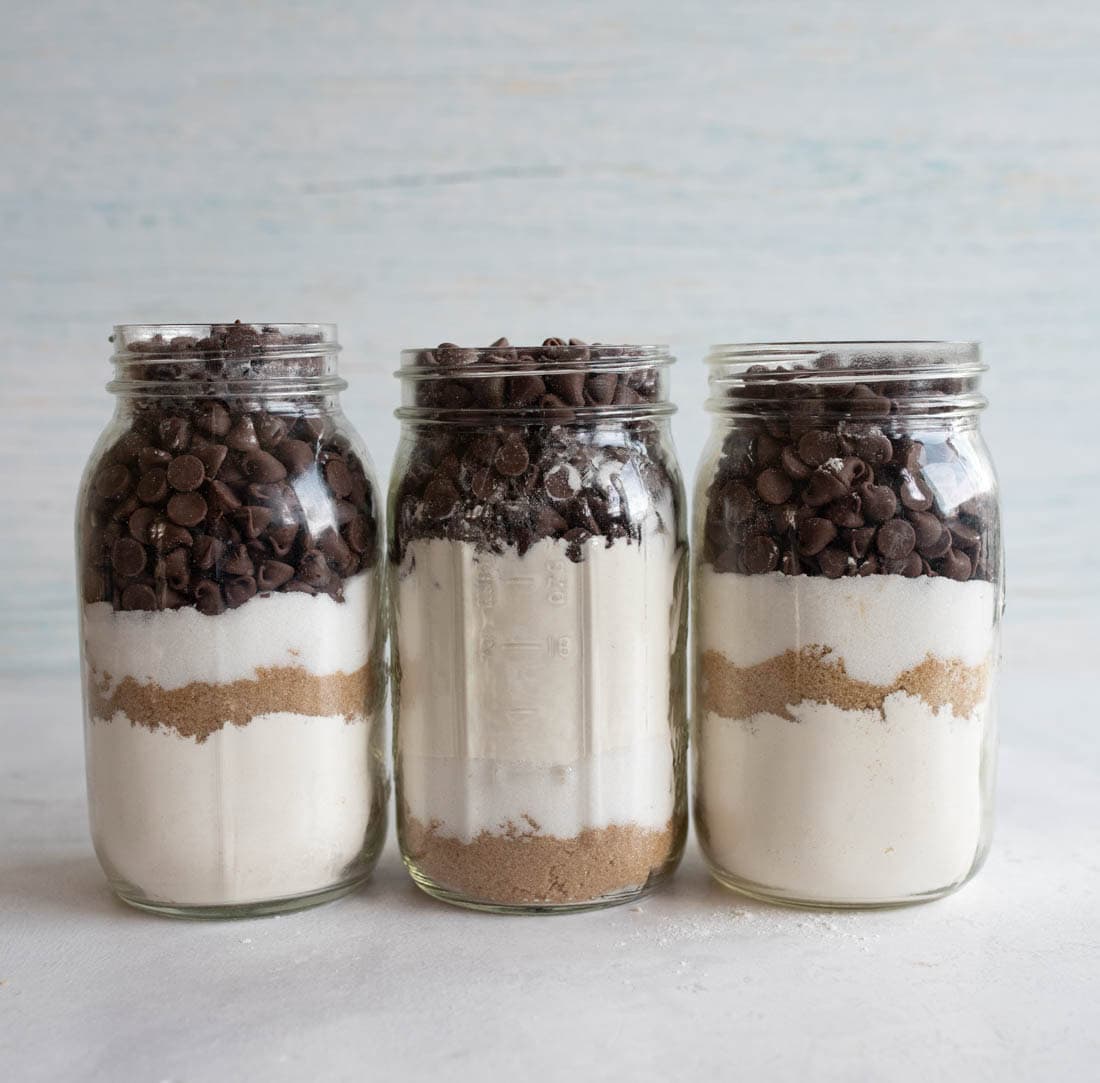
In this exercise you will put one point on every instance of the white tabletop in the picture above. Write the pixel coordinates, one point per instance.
(626, 170)
(995, 983)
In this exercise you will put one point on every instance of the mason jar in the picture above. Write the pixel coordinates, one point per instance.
(228, 548)
(538, 585)
(848, 597)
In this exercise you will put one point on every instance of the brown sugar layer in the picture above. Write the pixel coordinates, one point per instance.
(813, 673)
(199, 709)
(524, 868)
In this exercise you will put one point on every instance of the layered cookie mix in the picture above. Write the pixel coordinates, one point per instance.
(538, 587)
(232, 632)
(847, 602)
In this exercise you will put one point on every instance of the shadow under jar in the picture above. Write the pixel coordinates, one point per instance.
(848, 595)
(231, 625)
(538, 581)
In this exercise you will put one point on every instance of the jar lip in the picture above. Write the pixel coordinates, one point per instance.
(198, 341)
(896, 358)
(451, 360)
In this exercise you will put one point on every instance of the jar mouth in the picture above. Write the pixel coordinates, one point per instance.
(918, 376)
(450, 360)
(557, 382)
(214, 359)
(184, 341)
(896, 359)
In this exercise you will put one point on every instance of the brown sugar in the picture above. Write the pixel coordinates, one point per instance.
(200, 708)
(776, 685)
(521, 866)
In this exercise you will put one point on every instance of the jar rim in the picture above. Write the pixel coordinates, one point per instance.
(426, 362)
(184, 341)
(897, 358)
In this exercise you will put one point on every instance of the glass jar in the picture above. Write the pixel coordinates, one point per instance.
(232, 632)
(848, 596)
(538, 586)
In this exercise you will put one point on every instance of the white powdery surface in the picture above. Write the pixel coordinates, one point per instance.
(881, 625)
(175, 647)
(535, 686)
(274, 809)
(844, 806)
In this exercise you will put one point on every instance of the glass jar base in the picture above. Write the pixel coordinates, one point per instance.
(618, 898)
(777, 897)
(229, 911)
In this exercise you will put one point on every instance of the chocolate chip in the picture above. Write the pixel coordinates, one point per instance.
(794, 466)
(896, 539)
(273, 574)
(113, 482)
(511, 459)
(270, 430)
(955, 565)
(174, 434)
(525, 390)
(358, 535)
(296, 455)
(211, 456)
(313, 569)
(242, 436)
(860, 541)
(223, 497)
(761, 554)
(140, 522)
(208, 598)
(816, 447)
(253, 519)
(185, 473)
(440, 498)
(814, 534)
(914, 492)
(207, 552)
(238, 590)
(212, 418)
(263, 467)
(187, 509)
(128, 557)
(601, 387)
(139, 596)
(148, 457)
(873, 448)
(927, 528)
(939, 547)
(177, 570)
(338, 478)
(834, 562)
(152, 487)
(282, 538)
(910, 566)
(824, 487)
(846, 511)
(774, 486)
(766, 449)
(964, 536)
(879, 502)
(568, 386)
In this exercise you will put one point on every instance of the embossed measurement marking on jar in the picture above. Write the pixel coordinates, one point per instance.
(524, 645)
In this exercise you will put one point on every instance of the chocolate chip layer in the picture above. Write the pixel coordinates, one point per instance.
(521, 455)
(207, 501)
(826, 481)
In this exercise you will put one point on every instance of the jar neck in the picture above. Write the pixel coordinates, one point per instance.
(189, 361)
(558, 383)
(871, 382)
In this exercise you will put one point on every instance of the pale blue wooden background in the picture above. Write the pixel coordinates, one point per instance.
(684, 172)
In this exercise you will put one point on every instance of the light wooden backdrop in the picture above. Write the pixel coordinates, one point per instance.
(681, 172)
